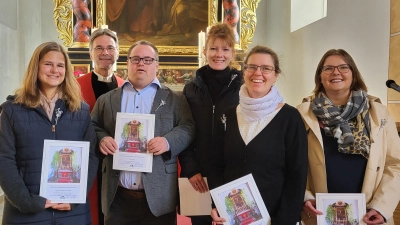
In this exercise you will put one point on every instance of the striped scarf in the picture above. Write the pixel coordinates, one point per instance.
(350, 125)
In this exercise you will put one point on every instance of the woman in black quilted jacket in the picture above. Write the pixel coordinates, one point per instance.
(48, 105)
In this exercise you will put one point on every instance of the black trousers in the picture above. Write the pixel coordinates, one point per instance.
(134, 210)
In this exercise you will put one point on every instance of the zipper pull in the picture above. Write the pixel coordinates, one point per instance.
(53, 128)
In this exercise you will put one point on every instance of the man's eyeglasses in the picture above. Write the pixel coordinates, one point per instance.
(264, 69)
(146, 60)
(344, 68)
(110, 49)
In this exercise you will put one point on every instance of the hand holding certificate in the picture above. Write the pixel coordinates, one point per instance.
(240, 202)
(132, 133)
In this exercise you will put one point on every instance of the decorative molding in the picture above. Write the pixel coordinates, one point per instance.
(63, 19)
(248, 20)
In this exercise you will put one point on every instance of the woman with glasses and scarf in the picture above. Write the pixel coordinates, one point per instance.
(266, 138)
(353, 142)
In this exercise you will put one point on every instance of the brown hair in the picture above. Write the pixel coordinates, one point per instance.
(100, 32)
(221, 31)
(29, 94)
(265, 50)
(143, 42)
(356, 84)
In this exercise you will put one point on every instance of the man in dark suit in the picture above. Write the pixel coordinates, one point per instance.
(103, 50)
(138, 197)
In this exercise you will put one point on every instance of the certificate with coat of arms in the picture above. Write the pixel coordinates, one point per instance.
(132, 133)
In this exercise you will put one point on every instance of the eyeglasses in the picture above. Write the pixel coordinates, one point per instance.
(110, 49)
(264, 69)
(146, 60)
(344, 68)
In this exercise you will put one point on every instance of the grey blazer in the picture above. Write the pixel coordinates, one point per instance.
(173, 121)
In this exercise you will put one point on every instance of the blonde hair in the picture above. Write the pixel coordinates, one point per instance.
(29, 94)
(221, 31)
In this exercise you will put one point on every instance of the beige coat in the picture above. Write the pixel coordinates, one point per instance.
(382, 175)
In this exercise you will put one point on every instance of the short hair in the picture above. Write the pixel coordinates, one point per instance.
(143, 42)
(356, 84)
(260, 49)
(29, 93)
(221, 31)
(99, 32)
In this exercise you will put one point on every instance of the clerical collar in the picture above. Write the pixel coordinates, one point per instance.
(107, 79)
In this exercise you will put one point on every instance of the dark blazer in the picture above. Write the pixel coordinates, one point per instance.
(277, 159)
(174, 122)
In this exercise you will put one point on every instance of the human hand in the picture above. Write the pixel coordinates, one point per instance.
(108, 146)
(216, 218)
(373, 217)
(49, 204)
(62, 207)
(157, 146)
(309, 208)
(198, 183)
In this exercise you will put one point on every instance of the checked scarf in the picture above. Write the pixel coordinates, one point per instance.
(350, 125)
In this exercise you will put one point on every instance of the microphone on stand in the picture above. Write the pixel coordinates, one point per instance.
(392, 84)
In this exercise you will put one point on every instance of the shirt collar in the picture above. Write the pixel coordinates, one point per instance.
(156, 82)
(107, 79)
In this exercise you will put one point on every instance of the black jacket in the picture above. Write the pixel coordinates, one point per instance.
(207, 115)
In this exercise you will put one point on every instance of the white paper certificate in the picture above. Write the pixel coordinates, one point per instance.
(132, 132)
(64, 171)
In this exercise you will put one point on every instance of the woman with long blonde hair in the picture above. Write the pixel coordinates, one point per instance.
(48, 105)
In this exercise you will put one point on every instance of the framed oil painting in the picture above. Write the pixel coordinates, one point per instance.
(175, 77)
(240, 202)
(340, 208)
(64, 171)
(80, 69)
(172, 25)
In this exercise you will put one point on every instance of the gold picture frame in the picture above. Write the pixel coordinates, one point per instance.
(64, 19)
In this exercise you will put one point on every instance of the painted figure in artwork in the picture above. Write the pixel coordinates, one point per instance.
(83, 20)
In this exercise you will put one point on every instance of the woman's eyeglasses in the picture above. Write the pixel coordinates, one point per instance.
(344, 68)
(253, 68)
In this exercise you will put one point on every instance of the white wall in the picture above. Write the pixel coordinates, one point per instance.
(35, 24)
(361, 27)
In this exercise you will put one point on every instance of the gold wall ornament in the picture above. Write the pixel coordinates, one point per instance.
(248, 22)
(63, 19)
(100, 13)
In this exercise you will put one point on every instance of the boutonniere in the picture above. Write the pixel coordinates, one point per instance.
(58, 114)
(161, 104)
(383, 123)
(223, 120)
